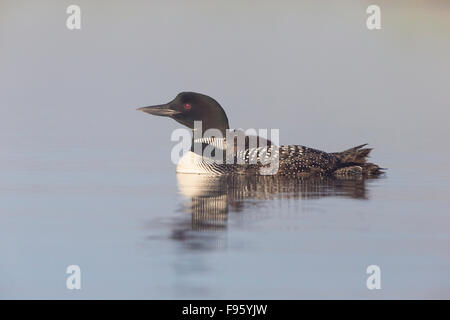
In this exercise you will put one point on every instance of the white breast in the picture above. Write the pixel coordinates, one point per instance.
(194, 163)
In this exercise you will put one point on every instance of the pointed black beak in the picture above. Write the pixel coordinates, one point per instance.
(160, 110)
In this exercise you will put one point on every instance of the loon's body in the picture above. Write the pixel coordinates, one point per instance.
(291, 160)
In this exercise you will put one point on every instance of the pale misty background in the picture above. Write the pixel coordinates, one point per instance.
(84, 177)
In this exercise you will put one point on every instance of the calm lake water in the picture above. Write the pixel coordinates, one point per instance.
(87, 180)
(138, 232)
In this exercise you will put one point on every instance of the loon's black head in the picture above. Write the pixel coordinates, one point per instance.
(188, 107)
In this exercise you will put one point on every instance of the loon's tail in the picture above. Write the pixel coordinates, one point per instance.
(354, 161)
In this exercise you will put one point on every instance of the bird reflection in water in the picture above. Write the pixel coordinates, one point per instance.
(210, 199)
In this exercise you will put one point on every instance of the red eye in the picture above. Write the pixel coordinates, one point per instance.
(187, 106)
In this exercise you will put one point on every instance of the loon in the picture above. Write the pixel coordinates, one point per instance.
(293, 160)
